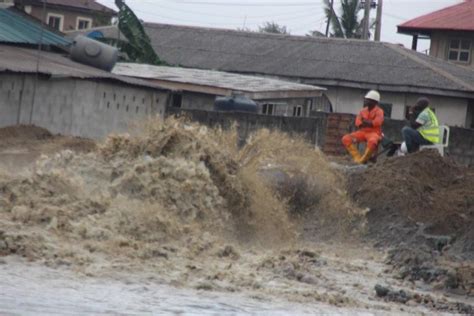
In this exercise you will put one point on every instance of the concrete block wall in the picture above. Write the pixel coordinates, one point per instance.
(86, 108)
(312, 129)
(461, 145)
(325, 130)
(12, 95)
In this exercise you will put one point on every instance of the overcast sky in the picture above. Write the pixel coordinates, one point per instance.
(299, 16)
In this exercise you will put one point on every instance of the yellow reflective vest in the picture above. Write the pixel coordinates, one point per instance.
(430, 131)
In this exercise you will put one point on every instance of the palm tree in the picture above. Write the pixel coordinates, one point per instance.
(347, 23)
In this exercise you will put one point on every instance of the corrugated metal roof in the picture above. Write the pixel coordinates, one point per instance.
(24, 60)
(200, 80)
(459, 17)
(17, 29)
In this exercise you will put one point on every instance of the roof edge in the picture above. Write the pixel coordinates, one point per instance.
(392, 88)
(258, 34)
(434, 12)
(321, 82)
(114, 78)
(432, 67)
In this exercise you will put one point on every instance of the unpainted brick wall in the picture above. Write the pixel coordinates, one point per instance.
(337, 126)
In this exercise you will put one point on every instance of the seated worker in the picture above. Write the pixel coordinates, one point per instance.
(369, 123)
(424, 127)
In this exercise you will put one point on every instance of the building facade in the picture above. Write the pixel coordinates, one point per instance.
(72, 106)
(69, 98)
(457, 47)
(451, 31)
(64, 15)
(197, 89)
(451, 111)
(346, 68)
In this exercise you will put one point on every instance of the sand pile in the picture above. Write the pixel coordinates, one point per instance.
(177, 183)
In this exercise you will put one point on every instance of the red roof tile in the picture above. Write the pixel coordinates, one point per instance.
(459, 17)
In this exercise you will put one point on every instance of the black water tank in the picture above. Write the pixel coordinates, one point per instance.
(236, 103)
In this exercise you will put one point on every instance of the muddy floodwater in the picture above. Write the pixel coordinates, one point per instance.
(180, 220)
(32, 289)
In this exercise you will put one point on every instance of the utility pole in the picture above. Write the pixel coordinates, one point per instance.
(365, 30)
(378, 23)
(329, 18)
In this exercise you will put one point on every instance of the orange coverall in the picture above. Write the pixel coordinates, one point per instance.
(371, 135)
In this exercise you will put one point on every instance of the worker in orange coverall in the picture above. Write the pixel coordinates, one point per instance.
(369, 123)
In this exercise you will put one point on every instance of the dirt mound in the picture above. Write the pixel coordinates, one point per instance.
(22, 145)
(24, 132)
(422, 189)
(422, 186)
(423, 205)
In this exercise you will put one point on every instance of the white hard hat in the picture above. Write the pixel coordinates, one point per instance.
(373, 95)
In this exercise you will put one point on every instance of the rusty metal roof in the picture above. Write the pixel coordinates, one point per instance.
(218, 82)
(17, 29)
(459, 17)
(24, 60)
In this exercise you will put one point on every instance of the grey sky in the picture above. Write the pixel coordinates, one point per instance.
(299, 16)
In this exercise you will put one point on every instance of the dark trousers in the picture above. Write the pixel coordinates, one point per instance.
(413, 139)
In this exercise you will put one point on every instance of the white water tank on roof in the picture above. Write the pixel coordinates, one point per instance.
(93, 53)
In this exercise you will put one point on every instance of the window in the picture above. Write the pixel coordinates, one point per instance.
(297, 110)
(387, 109)
(322, 104)
(83, 23)
(55, 21)
(177, 100)
(459, 50)
(268, 109)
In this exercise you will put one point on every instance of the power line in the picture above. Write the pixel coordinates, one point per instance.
(184, 19)
(160, 5)
(240, 4)
(231, 16)
(395, 16)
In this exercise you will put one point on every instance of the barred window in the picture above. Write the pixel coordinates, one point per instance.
(459, 50)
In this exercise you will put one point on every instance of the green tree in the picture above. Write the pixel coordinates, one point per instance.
(138, 46)
(347, 23)
(315, 33)
(272, 27)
